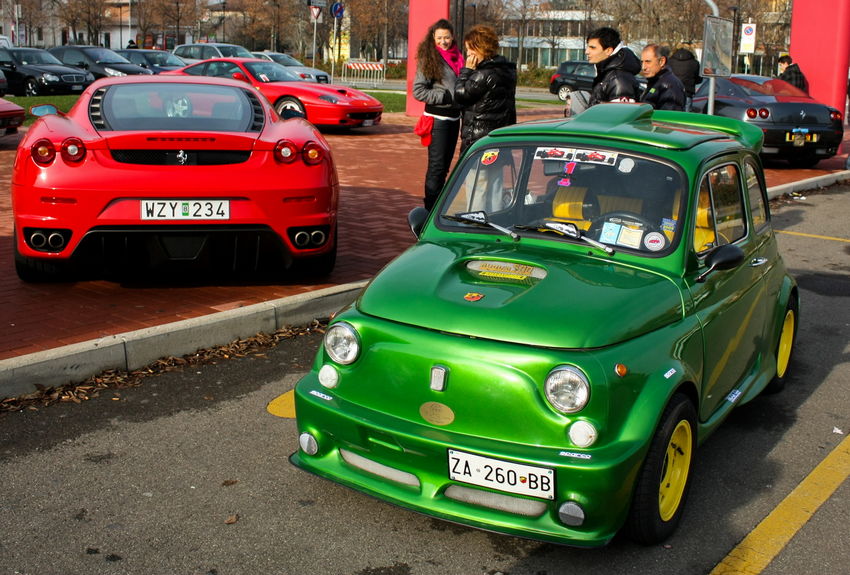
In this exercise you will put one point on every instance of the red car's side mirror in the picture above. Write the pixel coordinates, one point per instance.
(240, 76)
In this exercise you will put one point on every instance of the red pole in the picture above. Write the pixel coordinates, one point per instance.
(820, 44)
(423, 13)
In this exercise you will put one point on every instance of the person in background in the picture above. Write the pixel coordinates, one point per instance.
(485, 88)
(664, 91)
(131, 44)
(616, 67)
(438, 63)
(791, 73)
(685, 66)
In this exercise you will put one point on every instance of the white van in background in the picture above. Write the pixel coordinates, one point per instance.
(5, 42)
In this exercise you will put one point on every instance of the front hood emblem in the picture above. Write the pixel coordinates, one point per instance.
(802, 114)
(473, 296)
(182, 157)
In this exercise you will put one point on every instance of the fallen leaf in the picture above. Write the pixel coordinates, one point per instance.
(232, 519)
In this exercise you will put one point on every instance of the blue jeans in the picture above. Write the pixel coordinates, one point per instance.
(440, 153)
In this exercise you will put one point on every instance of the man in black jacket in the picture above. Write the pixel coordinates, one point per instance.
(791, 73)
(664, 91)
(616, 67)
(684, 64)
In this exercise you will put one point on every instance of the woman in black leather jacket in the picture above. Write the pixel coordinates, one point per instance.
(485, 88)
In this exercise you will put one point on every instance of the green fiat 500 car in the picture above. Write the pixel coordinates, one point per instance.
(586, 303)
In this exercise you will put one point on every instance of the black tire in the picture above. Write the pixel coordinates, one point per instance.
(785, 346)
(32, 270)
(663, 482)
(289, 103)
(31, 88)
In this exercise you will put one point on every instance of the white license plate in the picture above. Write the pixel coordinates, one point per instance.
(368, 122)
(502, 475)
(185, 209)
(77, 87)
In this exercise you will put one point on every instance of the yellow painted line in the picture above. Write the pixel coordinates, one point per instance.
(769, 538)
(283, 406)
(815, 236)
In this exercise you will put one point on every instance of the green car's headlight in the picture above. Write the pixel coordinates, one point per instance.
(342, 343)
(567, 389)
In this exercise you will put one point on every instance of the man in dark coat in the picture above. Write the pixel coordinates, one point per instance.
(685, 66)
(663, 91)
(616, 67)
(791, 73)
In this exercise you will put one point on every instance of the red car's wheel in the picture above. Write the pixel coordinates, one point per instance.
(289, 103)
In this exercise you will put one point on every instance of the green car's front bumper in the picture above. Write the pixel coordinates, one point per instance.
(407, 464)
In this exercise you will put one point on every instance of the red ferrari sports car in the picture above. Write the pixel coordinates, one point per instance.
(322, 104)
(183, 172)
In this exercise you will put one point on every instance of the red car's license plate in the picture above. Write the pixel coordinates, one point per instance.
(185, 209)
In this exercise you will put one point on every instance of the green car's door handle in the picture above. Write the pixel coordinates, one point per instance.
(756, 262)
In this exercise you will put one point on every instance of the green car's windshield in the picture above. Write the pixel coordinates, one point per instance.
(614, 199)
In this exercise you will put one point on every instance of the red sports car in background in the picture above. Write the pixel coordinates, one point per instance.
(192, 172)
(11, 116)
(322, 104)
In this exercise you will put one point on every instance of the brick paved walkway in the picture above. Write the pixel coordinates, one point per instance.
(381, 171)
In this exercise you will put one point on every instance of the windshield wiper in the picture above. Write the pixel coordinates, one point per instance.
(481, 219)
(569, 230)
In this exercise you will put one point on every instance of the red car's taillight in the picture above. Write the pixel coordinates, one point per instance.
(43, 152)
(73, 151)
(285, 152)
(836, 116)
(312, 153)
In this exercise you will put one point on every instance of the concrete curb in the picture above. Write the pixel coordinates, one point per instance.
(808, 184)
(136, 349)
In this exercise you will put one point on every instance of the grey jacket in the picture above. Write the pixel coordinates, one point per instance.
(438, 96)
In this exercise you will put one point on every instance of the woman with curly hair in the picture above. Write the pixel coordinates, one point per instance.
(485, 88)
(439, 61)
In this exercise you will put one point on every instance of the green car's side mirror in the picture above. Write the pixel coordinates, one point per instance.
(416, 219)
(723, 258)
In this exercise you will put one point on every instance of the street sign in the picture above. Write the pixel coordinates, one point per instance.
(748, 38)
(319, 3)
(315, 12)
(337, 9)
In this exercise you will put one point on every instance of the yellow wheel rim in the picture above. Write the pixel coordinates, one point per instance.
(786, 340)
(674, 474)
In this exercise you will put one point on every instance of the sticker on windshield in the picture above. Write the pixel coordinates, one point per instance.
(630, 237)
(595, 157)
(553, 153)
(668, 225)
(489, 157)
(654, 241)
(610, 233)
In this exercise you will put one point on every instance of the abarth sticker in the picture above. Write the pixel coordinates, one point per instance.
(489, 157)
(473, 296)
(321, 395)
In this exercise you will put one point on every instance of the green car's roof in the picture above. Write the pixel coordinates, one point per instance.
(640, 124)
